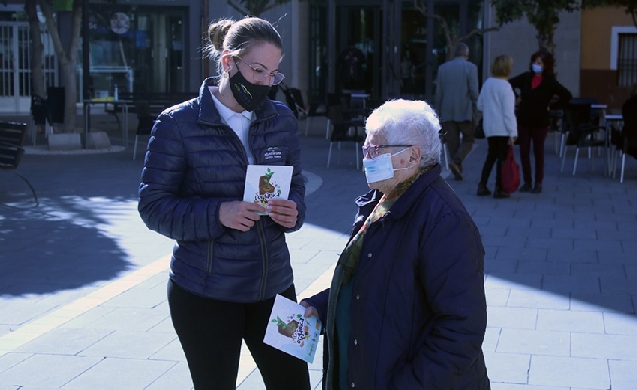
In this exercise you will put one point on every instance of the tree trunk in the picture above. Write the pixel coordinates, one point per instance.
(70, 96)
(38, 86)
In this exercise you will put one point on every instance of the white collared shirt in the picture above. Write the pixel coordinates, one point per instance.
(239, 122)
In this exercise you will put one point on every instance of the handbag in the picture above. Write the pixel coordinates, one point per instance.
(510, 172)
(479, 131)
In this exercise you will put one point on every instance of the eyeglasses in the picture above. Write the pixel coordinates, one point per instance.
(372, 150)
(261, 74)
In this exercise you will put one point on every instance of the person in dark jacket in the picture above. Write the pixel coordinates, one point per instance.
(229, 261)
(537, 87)
(406, 308)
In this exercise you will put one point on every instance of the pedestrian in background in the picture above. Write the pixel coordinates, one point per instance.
(456, 98)
(406, 308)
(497, 103)
(229, 262)
(537, 87)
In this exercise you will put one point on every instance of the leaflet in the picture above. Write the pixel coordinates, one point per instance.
(289, 331)
(266, 182)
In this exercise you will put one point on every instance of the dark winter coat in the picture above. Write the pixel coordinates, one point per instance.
(418, 309)
(533, 110)
(194, 162)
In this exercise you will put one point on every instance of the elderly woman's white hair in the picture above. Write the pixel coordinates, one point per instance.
(408, 122)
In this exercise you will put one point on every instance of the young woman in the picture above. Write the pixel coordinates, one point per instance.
(229, 261)
(497, 103)
(537, 88)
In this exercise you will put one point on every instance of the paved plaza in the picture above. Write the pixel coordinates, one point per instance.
(83, 281)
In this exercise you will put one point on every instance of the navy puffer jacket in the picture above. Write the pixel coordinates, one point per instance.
(418, 312)
(194, 162)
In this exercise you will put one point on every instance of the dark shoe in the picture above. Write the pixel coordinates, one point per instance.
(500, 194)
(537, 189)
(526, 187)
(483, 190)
(457, 171)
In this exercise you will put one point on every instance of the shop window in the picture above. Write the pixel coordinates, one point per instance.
(627, 60)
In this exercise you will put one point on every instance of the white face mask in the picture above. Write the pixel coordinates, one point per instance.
(380, 168)
(536, 68)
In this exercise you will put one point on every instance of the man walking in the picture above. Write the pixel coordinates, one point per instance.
(456, 97)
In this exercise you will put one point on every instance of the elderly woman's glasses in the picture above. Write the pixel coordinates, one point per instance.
(371, 151)
(261, 74)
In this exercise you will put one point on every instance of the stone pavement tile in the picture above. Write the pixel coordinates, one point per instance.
(604, 346)
(623, 374)
(537, 299)
(569, 372)
(140, 296)
(511, 386)
(630, 226)
(492, 230)
(570, 321)
(567, 215)
(617, 323)
(557, 223)
(172, 351)
(11, 359)
(531, 231)
(549, 243)
(498, 220)
(118, 344)
(490, 252)
(132, 374)
(532, 214)
(132, 318)
(90, 318)
(499, 267)
(571, 256)
(497, 296)
(534, 342)
(599, 245)
(605, 270)
(509, 368)
(64, 341)
(564, 284)
(614, 234)
(629, 246)
(19, 310)
(631, 272)
(511, 317)
(165, 326)
(605, 225)
(177, 377)
(618, 217)
(620, 303)
(504, 241)
(514, 281)
(543, 268)
(616, 257)
(532, 254)
(583, 233)
(491, 337)
(617, 285)
(48, 370)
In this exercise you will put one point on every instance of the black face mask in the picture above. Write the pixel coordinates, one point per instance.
(248, 95)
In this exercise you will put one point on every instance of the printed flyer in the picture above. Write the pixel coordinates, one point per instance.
(267, 182)
(290, 332)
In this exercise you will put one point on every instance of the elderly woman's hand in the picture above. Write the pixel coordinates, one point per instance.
(283, 212)
(309, 310)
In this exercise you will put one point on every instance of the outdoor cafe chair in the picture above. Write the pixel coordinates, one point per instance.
(582, 132)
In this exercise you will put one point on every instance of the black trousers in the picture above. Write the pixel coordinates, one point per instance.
(211, 331)
(496, 153)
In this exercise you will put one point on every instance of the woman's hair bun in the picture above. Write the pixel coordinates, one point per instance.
(217, 32)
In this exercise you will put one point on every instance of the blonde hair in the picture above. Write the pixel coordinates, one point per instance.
(502, 66)
(238, 37)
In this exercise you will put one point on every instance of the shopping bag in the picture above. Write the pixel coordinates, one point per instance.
(510, 173)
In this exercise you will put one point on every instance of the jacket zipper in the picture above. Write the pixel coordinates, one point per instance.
(264, 256)
(209, 257)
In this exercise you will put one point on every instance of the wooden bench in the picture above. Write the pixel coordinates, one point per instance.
(12, 137)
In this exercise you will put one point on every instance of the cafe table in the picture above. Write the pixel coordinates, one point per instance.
(123, 104)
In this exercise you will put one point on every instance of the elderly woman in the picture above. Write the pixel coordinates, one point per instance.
(406, 308)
